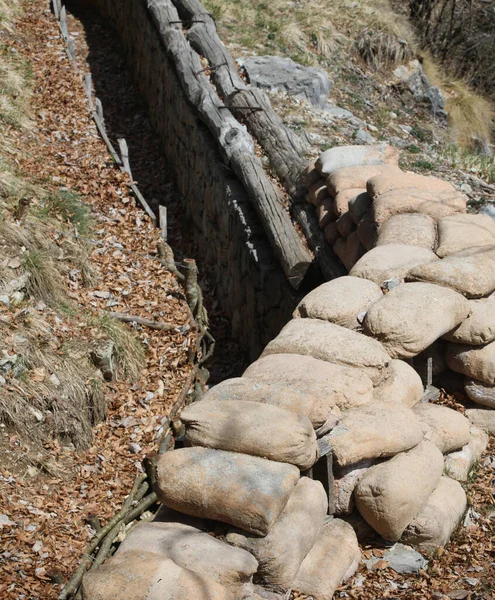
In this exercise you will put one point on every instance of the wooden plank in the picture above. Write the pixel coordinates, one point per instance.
(101, 128)
(141, 199)
(56, 8)
(235, 143)
(162, 213)
(124, 154)
(63, 23)
(88, 86)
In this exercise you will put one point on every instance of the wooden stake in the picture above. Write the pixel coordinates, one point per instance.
(162, 213)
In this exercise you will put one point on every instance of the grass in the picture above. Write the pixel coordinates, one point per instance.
(480, 165)
(44, 280)
(68, 207)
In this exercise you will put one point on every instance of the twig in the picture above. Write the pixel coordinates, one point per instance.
(126, 318)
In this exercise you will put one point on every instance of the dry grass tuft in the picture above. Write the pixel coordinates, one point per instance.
(382, 49)
(44, 280)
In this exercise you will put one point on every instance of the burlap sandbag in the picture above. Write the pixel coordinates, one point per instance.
(331, 233)
(340, 301)
(434, 204)
(404, 386)
(344, 482)
(391, 261)
(459, 464)
(314, 397)
(140, 575)
(435, 523)
(390, 181)
(464, 231)
(352, 156)
(446, 428)
(412, 316)
(366, 231)
(390, 495)
(484, 418)
(345, 225)
(349, 250)
(251, 428)
(194, 481)
(310, 175)
(374, 431)
(479, 327)
(477, 362)
(325, 212)
(317, 193)
(330, 384)
(470, 272)
(334, 344)
(282, 551)
(413, 229)
(359, 206)
(192, 549)
(356, 177)
(333, 559)
(479, 392)
(344, 198)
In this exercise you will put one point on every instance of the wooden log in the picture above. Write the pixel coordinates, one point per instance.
(235, 143)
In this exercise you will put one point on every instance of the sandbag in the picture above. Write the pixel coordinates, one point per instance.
(374, 431)
(282, 551)
(464, 231)
(356, 177)
(458, 464)
(330, 384)
(437, 519)
(390, 181)
(345, 225)
(412, 229)
(317, 193)
(140, 575)
(479, 392)
(484, 418)
(470, 272)
(333, 559)
(436, 352)
(446, 428)
(366, 231)
(345, 480)
(351, 156)
(310, 175)
(325, 212)
(312, 398)
(193, 481)
(251, 428)
(349, 250)
(343, 199)
(412, 316)
(479, 327)
(390, 495)
(340, 301)
(192, 549)
(391, 261)
(334, 344)
(331, 233)
(404, 386)
(358, 206)
(434, 204)
(477, 362)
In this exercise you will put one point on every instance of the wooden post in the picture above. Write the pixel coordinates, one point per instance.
(63, 23)
(88, 86)
(162, 213)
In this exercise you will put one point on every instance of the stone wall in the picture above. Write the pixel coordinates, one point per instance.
(232, 246)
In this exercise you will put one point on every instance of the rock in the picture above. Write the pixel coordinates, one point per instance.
(480, 393)
(434, 204)
(343, 200)
(345, 225)
(414, 78)
(366, 231)
(358, 206)
(140, 575)
(335, 344)
(357, 177)
(331, 233)
(459, 232)
(446, 428)
(339, 301)
(192, 549)
(470, 272)
(277, 74)
(374, 431)
(334, 558)
(458, 464)
(404, 386)
(282, 551)
(352, 156)
(404, 559)
(477, 362)
(338, 113)
(413, 315)
(251, 428)
(390, 495)
(392, 260)
(318, 192)
(330, 384)
(479, 327)
(389, 181)
(314, 398)
(193, 481)
(437, 519)
(326, 212)
(364, 137)
(413, 229)
(102, 352)
(483, 418)
(344, 483)
(489, 210)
